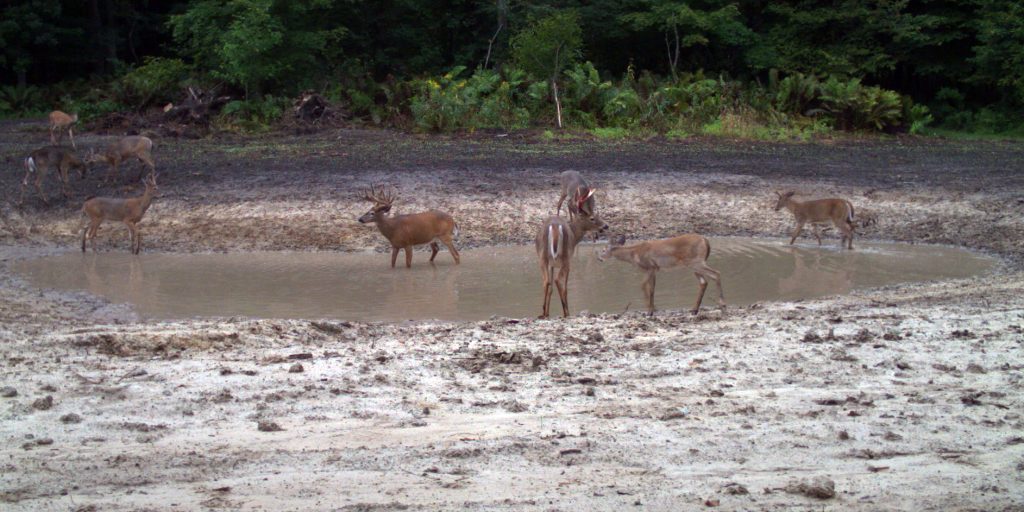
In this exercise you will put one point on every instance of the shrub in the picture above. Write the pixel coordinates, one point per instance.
(158, 80)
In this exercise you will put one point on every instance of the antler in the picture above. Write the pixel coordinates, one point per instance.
(379, 195)
(581, 199)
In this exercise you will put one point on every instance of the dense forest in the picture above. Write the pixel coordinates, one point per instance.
(747, 67)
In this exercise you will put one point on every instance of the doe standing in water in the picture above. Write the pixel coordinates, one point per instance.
(129, 211)
(556, 242)
(820, 211)
(689, 251)
(407, 231)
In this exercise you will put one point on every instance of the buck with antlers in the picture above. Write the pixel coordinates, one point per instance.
(835, 210)
(408, 231)
(129, 211)
(556, 242)
(59, 121)
(42, 160)
(688, 251)
(123, 149)
(579, 192)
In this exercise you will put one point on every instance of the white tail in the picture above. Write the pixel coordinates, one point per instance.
(555, 243)
(690, 251)
(835, 210)
(408, 231)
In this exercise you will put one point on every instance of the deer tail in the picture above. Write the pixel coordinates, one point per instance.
(849, 212)
(553, 240)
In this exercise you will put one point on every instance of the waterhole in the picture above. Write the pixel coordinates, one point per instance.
(502, 281)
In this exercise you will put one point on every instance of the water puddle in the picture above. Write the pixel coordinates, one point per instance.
(501, 281)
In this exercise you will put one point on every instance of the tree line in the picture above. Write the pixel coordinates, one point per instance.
(962, 59)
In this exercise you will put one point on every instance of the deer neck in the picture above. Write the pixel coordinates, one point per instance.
(792, 205)
(578, 231)
(622, 253)
(387, 225)
(145, 200)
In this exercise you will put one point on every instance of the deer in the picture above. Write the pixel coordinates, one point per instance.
(836, 210)
(121, 150)
(556, 242)
(579, 192)
(59, 121)
(42, 160)
(407, 231)
(690, 251)
(129, 210)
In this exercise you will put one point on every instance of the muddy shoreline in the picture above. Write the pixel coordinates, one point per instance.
(904, 397)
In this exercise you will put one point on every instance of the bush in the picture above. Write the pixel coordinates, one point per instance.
(484, 100)
(253, 115)
(159, 80)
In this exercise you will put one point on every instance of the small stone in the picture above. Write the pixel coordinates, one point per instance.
(818, 487)
(268, 426)
(43, 404)
(296, 368)
(44, 441)
(712, 502)
(71, 418)
(8, 392)
(844, 435)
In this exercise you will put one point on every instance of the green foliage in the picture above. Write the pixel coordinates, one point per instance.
(253, 115)
(20, 99)
(158, 80)
(258, 43)
(483, 100)
(548, 45)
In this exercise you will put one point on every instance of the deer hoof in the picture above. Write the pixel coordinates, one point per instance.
(694, 311)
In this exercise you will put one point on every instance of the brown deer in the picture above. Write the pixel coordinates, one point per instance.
(121, 150)
(407, 231)
(59, 121)
(42, 160)
(689, 251)
(579, 192)
(129, 211)
(820, 211)
(556, 242)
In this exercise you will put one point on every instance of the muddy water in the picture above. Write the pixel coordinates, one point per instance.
(501, 281)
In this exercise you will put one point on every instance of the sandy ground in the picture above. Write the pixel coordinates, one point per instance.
(907, 397)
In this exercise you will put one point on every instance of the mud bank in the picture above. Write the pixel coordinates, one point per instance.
(906, 397)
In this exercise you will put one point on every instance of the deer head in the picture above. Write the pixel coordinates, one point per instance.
(382, 201)
(783, 199)
(613, 243)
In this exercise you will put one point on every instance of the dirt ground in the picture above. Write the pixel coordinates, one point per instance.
(902, 398)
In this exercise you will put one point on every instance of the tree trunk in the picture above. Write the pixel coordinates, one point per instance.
(558, 104)
(96, 31)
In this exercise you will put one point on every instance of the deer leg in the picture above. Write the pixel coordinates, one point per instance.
(561, 199)
(700, 292)
(408, 257)
(817, 233)
(433, 250)
(131, 237)
(94, 227)
(71, 134)
(394, 256)
(64, 182)
(53, 140)
(85, 234)
(796, 232)
(648, 287)
(715, 276)
(562, 282)
(847, 229)
(545, 275)
(39, 188)
(149, 163)
(447, 240)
